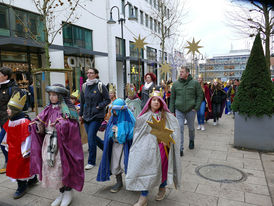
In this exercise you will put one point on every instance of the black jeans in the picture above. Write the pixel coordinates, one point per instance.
(216, 110)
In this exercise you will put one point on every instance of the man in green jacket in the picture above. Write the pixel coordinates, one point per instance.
(185, 101)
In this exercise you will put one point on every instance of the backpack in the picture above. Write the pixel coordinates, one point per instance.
(100, 87)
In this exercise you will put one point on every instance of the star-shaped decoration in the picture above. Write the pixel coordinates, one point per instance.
(158, 129)
(139, 43)
(165, 68)
(193, 46)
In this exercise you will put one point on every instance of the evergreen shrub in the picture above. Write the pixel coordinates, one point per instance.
(255, 95)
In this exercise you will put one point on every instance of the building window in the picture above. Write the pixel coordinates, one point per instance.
(4, 23)
(151, 54)
(151, 23)
(130, 10)
(150, 2)
(159, 27)
(141, 17)
(155, 25)
(26, 24)
(168, 13)
(134, 51)
(76, 36)
(155, 4)
(146, 16)
(136, 13)
(119, 47)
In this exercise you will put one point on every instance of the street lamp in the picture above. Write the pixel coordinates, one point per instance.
(121, 22)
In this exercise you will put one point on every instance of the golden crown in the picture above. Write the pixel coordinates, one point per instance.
(75, 94)
(156, 93)
(112, 88)
(17, 102)
(130, 89)
(200, 76)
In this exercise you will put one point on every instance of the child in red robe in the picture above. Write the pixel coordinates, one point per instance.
(17, 141)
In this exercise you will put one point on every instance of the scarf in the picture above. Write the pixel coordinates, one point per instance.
(92, 81)
(147, 85)
(5, 82)
(52, 147)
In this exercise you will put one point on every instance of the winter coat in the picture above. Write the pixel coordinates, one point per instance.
(90, 100)
(6, 91)
(218, 96)
(186, 95)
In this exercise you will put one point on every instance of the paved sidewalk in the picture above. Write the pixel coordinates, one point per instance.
(212, 146)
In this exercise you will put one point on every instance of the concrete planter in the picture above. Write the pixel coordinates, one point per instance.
(254, 133)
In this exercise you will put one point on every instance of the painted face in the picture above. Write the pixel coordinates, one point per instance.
(148, 79)
(91, 74)
(155, 104)
(183, 73)
(9, 112)
(3, 77)
(53, 97)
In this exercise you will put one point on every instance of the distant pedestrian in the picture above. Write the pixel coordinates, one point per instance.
(147, 88)
(228, 89)
(185, 101)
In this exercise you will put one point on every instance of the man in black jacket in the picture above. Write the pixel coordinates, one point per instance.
(7, 87)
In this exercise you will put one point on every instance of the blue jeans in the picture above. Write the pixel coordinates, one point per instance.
(2, 135)
(201, 113)
(145, 193)
(93, 140)
(227, 106)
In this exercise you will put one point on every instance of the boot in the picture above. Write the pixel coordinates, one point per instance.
(58, 200)
(32, 181)
(21, 190)
(142, 201)
(116, 188)
(67, 198)
(161, 194)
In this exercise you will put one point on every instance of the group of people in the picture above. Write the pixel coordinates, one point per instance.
(144, 136)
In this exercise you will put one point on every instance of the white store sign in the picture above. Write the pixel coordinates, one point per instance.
(79, 62)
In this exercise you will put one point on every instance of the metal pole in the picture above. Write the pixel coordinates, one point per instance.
(124, 59)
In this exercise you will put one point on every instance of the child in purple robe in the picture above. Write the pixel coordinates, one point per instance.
(56, 149)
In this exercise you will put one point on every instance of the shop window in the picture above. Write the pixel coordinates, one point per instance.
(151, 54)
(134, 51)
(4, 21)
(76, 36)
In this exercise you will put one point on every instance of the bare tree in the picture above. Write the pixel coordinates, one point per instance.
(251, 17)
(168, 14)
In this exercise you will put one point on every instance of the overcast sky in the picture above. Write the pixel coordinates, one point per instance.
(207, 22)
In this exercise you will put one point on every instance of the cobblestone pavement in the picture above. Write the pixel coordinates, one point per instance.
(212, 146)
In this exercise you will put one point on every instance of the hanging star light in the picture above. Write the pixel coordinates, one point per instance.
(165, 68)
(139, 43)
(193, 47)
(158, 129)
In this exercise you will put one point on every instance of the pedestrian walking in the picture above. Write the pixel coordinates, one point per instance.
(147, 88)
(94, 99)
(17, 140)
(132, 100)
(186, 98)
(155, 151)
(117, 142)
(56, 150)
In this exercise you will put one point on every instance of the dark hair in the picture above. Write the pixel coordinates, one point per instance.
(96, 71)
(186, 68)
(6, 71)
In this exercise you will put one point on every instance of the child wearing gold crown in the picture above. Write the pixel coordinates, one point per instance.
(132, 101)
(56, 149)
(18, 141)
(74, 98)
(154, 157)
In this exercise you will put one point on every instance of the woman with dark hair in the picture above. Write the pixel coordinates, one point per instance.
(94, 99)
(147, 88)
(56, 148)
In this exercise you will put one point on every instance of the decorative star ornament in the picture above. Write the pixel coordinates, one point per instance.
(158, 129)
(165, 68)
(193, 46)
(139, 43)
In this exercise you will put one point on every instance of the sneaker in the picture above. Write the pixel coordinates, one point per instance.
(202, 127)
(185, 122)
(89, 166)
(214, 123)
(181, 153)
(229, 113)
(199, 126)
(191, 144)
(161, 194)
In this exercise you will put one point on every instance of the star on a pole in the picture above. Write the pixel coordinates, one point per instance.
(193, 46)
(139, 43)
(165, 68)
(158, 129)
